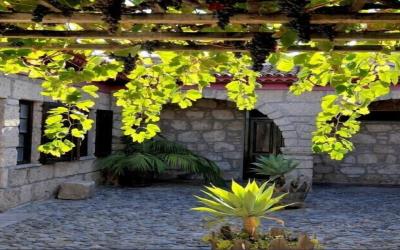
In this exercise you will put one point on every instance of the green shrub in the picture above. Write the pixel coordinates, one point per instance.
(274, 239)
(155, 156)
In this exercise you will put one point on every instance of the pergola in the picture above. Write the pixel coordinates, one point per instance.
(344, 44)
(191, 25)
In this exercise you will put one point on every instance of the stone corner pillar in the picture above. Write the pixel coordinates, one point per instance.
(9, 122)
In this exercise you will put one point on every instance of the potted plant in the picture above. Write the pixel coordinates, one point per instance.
(275, 168)
(250, 204)
(139, 164)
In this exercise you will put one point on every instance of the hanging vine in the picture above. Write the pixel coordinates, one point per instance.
(70, 75)
(260, 47)
(300, 18)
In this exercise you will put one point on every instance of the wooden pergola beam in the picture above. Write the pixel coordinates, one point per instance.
(183, 36)
(193, 19)
(183, 48)
(343, 48)
(132, 36)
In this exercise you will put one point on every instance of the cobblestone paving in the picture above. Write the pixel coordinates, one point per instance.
(158, 217)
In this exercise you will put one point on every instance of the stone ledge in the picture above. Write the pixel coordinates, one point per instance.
(36, 165)
(24, 166)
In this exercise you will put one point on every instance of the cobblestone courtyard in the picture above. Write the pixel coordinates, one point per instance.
(158, 217)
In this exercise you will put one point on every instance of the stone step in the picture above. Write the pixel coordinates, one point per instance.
(76, 190)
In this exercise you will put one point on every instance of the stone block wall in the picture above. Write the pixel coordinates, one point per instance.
(295, 117)
(375, 160)
(28, 182)
(212, 128)
(32, 182)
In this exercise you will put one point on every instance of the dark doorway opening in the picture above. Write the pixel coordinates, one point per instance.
(263, 137)
(104, 126)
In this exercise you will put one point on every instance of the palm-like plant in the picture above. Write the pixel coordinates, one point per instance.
(250, 203)
(118, 164)
(274, 166)
(156, 156)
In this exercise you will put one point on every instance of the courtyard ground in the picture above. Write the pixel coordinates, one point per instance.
(159, 217)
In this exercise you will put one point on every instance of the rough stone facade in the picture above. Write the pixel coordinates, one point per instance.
(27, 182)
(375, 160)
(292, 114)
(212, 128)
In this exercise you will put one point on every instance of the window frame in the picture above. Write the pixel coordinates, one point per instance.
(27, 145)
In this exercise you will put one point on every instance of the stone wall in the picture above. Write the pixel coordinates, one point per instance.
(23, 183)
(293, 115)
(376, 158)
(212, 128)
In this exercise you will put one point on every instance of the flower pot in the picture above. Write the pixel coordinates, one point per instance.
(296, 192)
(294, 199)
(275, 239)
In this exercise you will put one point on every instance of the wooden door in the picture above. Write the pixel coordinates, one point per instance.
(263, 137)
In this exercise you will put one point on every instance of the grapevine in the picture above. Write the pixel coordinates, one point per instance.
(261, 46)
(170, 3)
(4, 28)
(223, 10)
(112, 11)
(67, 63)
(300, 19)
(149, 46)
(129, 62)
(235, 45)
(77, 63)
(39, 12)
(65, 10)
(326, 30)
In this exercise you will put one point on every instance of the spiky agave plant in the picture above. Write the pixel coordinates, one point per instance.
(250, 203)
(274, 166)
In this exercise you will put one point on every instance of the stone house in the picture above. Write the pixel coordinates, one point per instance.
(213, 127)
(25, 175)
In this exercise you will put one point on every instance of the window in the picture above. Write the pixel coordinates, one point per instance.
(81, 146)
(386, 110)
(381, 116)
(104, 125)
(25, 132)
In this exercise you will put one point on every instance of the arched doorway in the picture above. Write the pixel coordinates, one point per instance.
(216, 129)
(263, 137)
